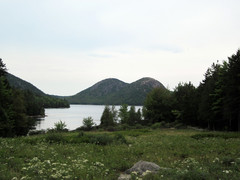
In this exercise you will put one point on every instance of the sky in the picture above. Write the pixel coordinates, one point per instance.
(65, 46)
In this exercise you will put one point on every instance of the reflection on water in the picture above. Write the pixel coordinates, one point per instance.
(72, 116)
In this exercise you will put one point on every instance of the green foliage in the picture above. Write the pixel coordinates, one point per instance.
(55, 137)
(18, 101)
(220, 96)
(60, 126)
(100, 139)
(130, 117)
(13, 117)
(53, 102)
(97, 139)
(158, 106)
(213, 105)
(3, 69)
(215, 135)
(123, 113)
(186, 103)
(107, 118)
(63, 157)
(120, 138)
(88, 123)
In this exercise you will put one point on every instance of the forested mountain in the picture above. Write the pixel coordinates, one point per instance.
(114, 91)
(35, 96)
(23, 85)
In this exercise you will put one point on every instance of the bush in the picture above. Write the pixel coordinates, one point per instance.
(179, 126)
(54, 138)
(139, 126)
(88, 123)
(122, 127)
(60, 126)
(157, 126)
(100, 139)
(110, 128)
(81, 134)
(120, 138)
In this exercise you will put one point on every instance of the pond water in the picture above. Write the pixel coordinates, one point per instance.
(72, 116)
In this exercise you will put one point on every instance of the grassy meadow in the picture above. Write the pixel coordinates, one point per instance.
(186, 154)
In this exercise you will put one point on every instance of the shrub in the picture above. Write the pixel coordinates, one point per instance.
(156, 126)
(123, 127)
(110, 128)
(120, 138)
(88, 123)
(100, 139)
(54, 138)
(81, 134)
(60, 126)
(139, 126)
(179, 126)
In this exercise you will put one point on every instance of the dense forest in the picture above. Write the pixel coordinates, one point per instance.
(213, 105)
(18, 106)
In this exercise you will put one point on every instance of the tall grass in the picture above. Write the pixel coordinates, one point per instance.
(68, 156)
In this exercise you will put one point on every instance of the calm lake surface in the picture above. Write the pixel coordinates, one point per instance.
(72, 116)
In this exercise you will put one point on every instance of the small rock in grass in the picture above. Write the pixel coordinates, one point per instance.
(142, 167)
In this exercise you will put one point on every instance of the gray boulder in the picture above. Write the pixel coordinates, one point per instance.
(142, 167)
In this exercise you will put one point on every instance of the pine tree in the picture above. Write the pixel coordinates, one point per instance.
(107, 117)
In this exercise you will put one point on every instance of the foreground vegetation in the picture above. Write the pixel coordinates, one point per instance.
(186, 154)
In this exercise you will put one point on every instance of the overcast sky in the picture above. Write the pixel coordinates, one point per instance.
(65, 46)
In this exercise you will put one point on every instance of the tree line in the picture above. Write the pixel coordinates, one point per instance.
(112, 117)
(17, 107)
(214, 104)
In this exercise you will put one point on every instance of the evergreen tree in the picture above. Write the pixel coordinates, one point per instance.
(114, 114)
(186, 103)
(107, 117)
(123, 114)
(158, 106)
(3, 69)
(132, 117)
(13, 118)
(233, 90)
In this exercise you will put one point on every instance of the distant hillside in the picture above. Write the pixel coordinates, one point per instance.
(23, 85)
(109, 91)
(33, 94)
(114, 91)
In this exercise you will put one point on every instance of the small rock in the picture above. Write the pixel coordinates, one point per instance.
(142, 167)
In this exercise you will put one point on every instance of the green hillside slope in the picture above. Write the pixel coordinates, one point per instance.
(114, 91)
